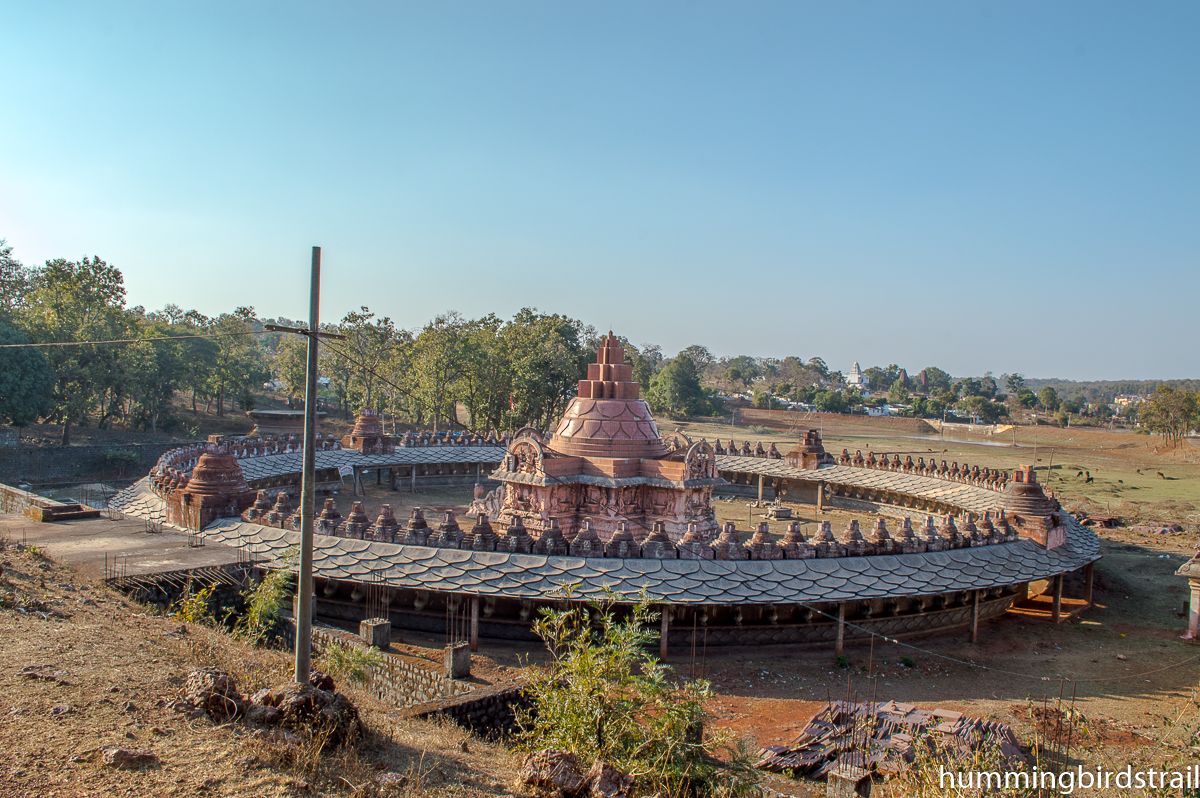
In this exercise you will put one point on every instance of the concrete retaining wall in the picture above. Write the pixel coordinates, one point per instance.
(489, 711)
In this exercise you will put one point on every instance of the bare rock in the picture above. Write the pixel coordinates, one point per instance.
(322, 681)
(263, 714)
(129, 759)
(307, 707)
(391, 781)
(551, 769)
(61, 709)
(215, 692)
(265, 696)
(605, 781)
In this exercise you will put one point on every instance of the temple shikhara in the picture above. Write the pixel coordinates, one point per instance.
(607, 464)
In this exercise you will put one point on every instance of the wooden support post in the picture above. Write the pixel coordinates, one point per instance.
(975, 617)
(760, 487)
(841, 628)
(378, 476)
(392, 478)
(1058, 582)
(1089, 574)
(474, 623)
(662, 640)
(358, 488)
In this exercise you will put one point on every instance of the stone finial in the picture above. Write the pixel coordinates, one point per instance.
(693, 546)
(950, 532)
(386, 525)
(622, 545)
(587, 543)
(551, 542)
(794, 546)
(416, 532)
(718, 448)
(745, 451)
(871, 461)
(481, 537)
(826, 544)
(858, 459)
(845, 458)
(773, 453)
(930, 537)
(761, 546)
(261, 506)
(972, 534)
(759, 451)
(658, 545)
(449, 533)
(516, 539)
(356, 523)
(727, 546)
(282, 510)
(329, 511)
(856, 544)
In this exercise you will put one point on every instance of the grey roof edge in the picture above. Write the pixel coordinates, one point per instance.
(522, 576)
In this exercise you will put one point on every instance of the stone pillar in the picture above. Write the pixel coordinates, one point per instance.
(975, 616)
(358, 489)
(456, 661)
(820, 497)
(1089, 574)
(378, 476)
(392, 478)
(412, 470)
(1191, 569)
(662, 639)
(1057, 612)
(375, 632)
(474, 617)
(841, 628)
(760, 488)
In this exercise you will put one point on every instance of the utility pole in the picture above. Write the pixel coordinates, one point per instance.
(308, 491)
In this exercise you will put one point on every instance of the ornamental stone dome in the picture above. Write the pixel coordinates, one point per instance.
(608, 419)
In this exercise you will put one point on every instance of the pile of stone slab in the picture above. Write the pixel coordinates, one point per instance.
(884, 738)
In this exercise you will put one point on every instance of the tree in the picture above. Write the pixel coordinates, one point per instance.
(438, 364)
(291, 366)
(26, 380)
(676, 389)
(369, 344)
(238, 361)
(1171, 413)
(897, 393)
(72, 302)
(700, 356)
(1048, 399)
(936, 380)
(547, 359)
(830, 402)
(1014, 382)
(15, 282)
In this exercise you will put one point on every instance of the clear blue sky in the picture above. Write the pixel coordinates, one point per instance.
(979, 186)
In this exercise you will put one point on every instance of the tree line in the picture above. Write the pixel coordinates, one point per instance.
(453, 373)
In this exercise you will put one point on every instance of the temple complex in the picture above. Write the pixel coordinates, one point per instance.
(609, 505)
(607, 463)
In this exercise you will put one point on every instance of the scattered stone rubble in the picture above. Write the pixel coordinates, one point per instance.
(558, 773)
(884, 738)
(315, 706)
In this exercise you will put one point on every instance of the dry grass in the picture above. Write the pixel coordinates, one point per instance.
(117, 668)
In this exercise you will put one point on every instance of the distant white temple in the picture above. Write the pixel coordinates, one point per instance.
(855, 378)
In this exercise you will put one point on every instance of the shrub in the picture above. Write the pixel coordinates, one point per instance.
(258, 624)
(604, 697)
(349, 662)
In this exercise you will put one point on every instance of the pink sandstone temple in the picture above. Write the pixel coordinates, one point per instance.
(607, 463)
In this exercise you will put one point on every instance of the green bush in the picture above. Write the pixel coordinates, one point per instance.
(348, 662)
(604, 696)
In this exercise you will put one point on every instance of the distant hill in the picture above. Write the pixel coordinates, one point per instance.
(1106, 390)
